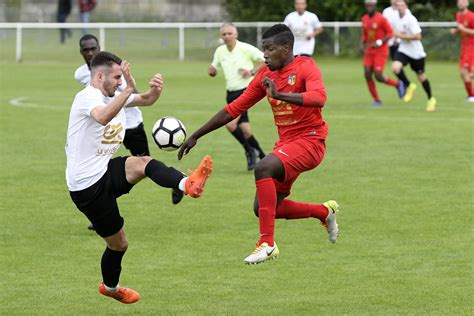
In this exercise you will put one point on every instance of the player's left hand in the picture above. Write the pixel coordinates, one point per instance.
(157, 82)
(272, 91)
(245, 73)
(186, 147)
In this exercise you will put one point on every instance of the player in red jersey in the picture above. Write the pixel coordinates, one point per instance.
(295, 90)
(376, 32)
(465, 28)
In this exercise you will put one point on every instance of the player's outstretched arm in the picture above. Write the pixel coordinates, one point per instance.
(149, 97)
(218, 120)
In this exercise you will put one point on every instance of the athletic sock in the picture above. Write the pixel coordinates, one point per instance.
(403, 78)
(162, 175)
(239, 135)
(427, 87)
(267, 201)
(111, 265)
(470, 91)
(289, 209)
(391, 82)
(373, 90)
(254, 143)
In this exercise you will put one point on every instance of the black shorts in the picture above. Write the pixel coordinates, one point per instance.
(99, 201)
(393, 51)
(231, 96)
(417, 65)
(136, 141)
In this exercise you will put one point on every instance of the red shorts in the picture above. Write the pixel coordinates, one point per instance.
(298, 156)
(466, 59)
(375, 59)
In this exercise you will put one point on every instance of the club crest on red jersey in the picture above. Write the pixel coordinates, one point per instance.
(291, 80)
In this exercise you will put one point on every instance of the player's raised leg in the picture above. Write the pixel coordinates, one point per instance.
(137, 168)
(397, 68)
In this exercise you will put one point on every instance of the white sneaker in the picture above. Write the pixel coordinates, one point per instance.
(331, 223)
(470, 99)
(262, 253)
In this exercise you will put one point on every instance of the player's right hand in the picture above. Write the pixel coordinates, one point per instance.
(125, 66)
(211, 71)
(186, 147)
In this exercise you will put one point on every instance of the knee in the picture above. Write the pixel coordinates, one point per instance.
(368, 75)
(379, 77)
(421, 77)
(396, 68)
(119, 245)
(263, 170)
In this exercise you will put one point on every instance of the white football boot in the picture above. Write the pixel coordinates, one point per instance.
(262, 253)
(331, 223)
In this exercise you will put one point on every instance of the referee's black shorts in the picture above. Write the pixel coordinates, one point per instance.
(231, 96)
(417, 65)
(99, 201)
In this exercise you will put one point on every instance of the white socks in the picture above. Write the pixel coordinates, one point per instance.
(182, 184)
(112, 289)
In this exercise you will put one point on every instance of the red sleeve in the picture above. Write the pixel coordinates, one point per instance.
(252, 94)
(387, 27)
(315, 94)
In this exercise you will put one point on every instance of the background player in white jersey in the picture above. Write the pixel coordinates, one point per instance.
(410, 51)
(305, 26)
(95, 181)
(239, 62)
(135, 137)
(392, 15)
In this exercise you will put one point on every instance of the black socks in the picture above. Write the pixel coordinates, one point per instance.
(111, 265)
(427, 87)
(403, 78)
(167, 177)
(254, 143)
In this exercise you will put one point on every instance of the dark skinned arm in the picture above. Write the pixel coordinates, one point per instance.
(217, 121)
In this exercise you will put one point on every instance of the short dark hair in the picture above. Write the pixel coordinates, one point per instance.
(281, 34)
(88, 37)
(105, 59)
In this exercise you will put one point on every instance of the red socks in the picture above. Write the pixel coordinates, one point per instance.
(289, 209)
(469, 90)
(267, 201)
(391, 82)
(373, 90)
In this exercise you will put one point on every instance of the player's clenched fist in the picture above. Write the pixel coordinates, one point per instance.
(271, 87)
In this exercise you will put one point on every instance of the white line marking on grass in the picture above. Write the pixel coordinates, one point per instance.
(20, 102)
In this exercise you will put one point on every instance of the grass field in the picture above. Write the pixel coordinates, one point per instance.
(403, 178)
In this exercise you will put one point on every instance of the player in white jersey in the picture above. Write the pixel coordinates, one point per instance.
(392, 15)
(410, 51)
(135, 137)
(95, 180)
(305, 26)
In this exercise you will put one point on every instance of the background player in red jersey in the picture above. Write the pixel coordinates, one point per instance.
(465, 28)
(376, 32)
(295, 90)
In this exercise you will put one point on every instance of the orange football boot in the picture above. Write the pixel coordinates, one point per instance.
(195, 183)
(124, 295)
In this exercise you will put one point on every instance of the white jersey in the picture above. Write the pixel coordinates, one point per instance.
(133, 114)
(412, 48)
(90, 145)
(392, 16)
(302, 25)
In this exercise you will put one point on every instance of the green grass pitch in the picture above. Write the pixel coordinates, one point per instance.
(403, 178)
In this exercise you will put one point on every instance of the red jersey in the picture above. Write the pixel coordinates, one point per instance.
(293, 121)
(374, 28)
(467, 20)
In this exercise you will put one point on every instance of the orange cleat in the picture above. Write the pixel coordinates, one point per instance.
(124, 295)
(196, 181)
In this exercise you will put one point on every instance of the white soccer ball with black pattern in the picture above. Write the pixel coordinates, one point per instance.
(169, 133)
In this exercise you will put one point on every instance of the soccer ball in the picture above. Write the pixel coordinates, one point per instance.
(169, 133)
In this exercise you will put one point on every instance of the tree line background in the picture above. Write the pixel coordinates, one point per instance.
(333, 10)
